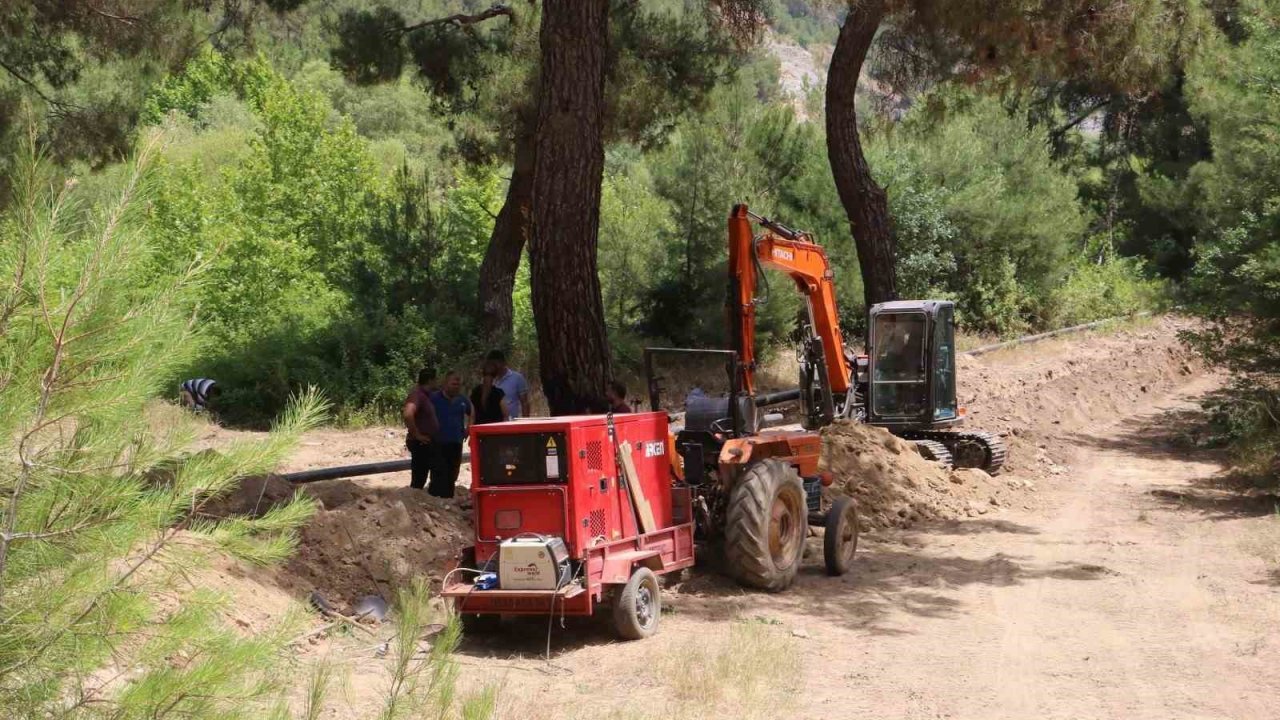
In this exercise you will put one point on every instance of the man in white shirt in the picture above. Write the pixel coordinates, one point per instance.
(513, 385)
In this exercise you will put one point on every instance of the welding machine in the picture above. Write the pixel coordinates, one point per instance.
(533, 562)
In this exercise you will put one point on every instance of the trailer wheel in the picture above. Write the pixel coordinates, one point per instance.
(638, 607)
(765, 526)
(840, 541)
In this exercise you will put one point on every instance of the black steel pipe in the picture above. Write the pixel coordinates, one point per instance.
(350, 471)
(777, 398)
(346, 471)
(1051, 334)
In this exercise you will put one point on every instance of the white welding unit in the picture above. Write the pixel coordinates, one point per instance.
(532, 562)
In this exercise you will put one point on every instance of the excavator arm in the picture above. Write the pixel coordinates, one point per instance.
(805, 262)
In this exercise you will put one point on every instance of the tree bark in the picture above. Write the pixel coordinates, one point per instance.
(573, 346)
(511, 231)
(865, 203)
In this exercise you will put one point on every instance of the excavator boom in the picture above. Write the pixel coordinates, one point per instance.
(805, 262)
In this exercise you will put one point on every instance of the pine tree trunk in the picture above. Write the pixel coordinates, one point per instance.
(510, 232)
(865, 203)
(573, 346)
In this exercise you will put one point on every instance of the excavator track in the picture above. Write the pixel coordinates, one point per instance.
(969, 449)
(935, 451)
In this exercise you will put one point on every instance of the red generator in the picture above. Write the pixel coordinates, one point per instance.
(571, 514)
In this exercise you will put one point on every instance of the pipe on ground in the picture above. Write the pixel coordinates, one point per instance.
(350, 471)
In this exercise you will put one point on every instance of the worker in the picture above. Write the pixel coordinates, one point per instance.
(197, 394)
(420, 420)
(616, 394)
(488, 402)
(452, 410)
(513, 385)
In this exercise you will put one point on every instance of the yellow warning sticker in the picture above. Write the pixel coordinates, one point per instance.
(551, 443)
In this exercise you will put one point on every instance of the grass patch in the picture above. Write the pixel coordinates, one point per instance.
(751, 673)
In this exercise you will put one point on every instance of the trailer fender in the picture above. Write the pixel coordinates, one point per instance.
(619, 566)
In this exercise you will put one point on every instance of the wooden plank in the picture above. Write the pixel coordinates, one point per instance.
(648, 523)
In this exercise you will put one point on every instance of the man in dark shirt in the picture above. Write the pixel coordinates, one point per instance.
(452, 410)
(420, 420)
(616, 394)
(488, 402)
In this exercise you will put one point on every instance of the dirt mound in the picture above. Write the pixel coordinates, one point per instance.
(1042, 397)
(894, 486)
(362, 540)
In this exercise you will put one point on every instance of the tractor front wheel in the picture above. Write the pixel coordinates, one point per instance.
(840, 539)
(638, 606)
(766, 524)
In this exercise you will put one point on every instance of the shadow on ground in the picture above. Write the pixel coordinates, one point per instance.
(891, 579)
(1220, 497)
(1182, 434)
(1179, 433)
(898, 576)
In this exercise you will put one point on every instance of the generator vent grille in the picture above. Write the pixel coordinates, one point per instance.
(597, 523)
(595, 455)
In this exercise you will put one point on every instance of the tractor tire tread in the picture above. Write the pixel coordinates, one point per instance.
(747, 521)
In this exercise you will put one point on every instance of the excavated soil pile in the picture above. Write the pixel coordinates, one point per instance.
(894, 486)
(1041, 398)
(362, 540)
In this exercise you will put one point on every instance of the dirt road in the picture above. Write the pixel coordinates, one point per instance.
(1108, 574)
(1127, 592)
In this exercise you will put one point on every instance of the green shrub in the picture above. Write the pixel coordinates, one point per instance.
(321, 272)
(1102, 285)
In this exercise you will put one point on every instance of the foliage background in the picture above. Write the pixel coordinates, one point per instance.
(344, 222)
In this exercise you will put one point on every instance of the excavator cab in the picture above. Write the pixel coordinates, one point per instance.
(912, 365)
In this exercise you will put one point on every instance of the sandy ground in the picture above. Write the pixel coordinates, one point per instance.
(1113, 573)
(1128, 593)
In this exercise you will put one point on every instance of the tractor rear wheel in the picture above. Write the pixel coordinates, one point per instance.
(766, 524)
(638, 606)
(840, 539)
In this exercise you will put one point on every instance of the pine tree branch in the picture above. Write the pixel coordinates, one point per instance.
(127, 20)
(1057, 133)
(461, 19)
(50, 380)
(60, 104)
(10, 537)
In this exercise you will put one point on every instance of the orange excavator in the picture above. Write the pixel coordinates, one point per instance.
(754, 490)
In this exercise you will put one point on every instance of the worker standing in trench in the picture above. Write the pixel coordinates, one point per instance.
(420, 421)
